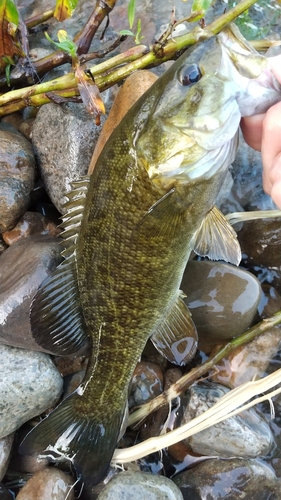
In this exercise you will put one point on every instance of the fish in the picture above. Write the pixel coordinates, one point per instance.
(128, 233)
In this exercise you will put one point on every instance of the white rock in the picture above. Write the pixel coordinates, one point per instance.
(29, 385)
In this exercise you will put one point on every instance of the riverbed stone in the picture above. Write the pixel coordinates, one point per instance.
(232, 479)
(64, 147)
(30, 223)
(17, 169)
(48, 484)
(244, 435)
(146, 383)
(5, 451)
(29, 385)
(139, 486)
(222, 299)
(23, 267)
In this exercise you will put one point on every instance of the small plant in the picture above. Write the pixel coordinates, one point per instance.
(131, 19)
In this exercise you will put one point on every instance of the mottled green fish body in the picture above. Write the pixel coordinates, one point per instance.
(128, 234)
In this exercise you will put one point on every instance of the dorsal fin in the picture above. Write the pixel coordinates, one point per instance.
(56, 317)
(216, 239)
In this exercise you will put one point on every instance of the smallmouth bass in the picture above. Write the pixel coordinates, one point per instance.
(128, 234)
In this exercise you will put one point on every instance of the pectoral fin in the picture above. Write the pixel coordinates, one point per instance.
(161, 218)
(216, 239)
(176, 339)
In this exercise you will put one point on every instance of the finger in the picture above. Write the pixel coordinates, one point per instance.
(271, 146)
(251, 127)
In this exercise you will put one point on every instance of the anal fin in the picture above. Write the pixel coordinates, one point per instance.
(176, 338)
(217, 239)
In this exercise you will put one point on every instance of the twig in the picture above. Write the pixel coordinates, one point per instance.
(226, 407)
(187, 380)
(139, 57)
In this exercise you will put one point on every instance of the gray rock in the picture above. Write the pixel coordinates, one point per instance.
(246, 435)
(23, 267)
(16, 175)
(48, 484)
(140, 486)
(63, 148)
(222, 299)
(29, 385)
(146, 383)
(229, 480)
(5, 451)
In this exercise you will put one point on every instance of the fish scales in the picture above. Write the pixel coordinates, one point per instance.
(128, 234)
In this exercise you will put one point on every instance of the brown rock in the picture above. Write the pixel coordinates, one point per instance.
(146, 383)
(30, 223)
(222, 299)
(23, 267)
(133, 88)
(16, 175)
(48, 484)
(260, 241)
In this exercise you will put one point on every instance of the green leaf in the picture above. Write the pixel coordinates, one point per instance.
(64, 43)
(8, 11)
(138, 38)
(201, 5)
(131, 12)
(64, 9)
(126, 32)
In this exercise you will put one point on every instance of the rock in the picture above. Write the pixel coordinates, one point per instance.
(246, 171)
(146, 383)
(261, 242)
(133, 88)
(140, 486)
(5, 451)
(246, 435)
(29, 385)
(5, 494)
(64, 147)
(222, 299)
(23, 267)
(16, 175)
(228, 480)
(48, 484)
(30, 223)
(248, 362)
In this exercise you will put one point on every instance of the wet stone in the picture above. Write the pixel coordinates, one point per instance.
(229, 480)
(48, 484)
(140, 486)
(261, 246)
(16, 175)
(29, 385)
(146, 383)
(5, 494)
(222, 299)
(5, 451)
(246, 435)
(30, 223)
(64, 147)
(23, 267)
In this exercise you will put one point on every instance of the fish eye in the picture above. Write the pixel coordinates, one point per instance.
(189, 75)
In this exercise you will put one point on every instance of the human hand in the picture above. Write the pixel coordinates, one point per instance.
(263, 133)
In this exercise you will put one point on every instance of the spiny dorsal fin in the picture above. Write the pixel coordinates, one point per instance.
(72, 219)
(216, 239)
(56, 318)
(176, 339)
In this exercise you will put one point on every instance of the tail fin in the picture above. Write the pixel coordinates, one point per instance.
(87, 442)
